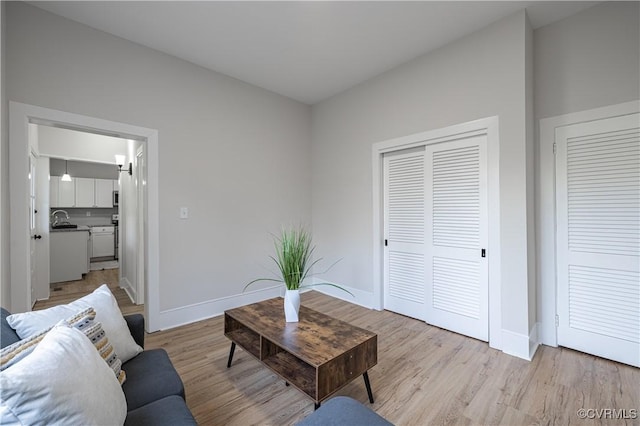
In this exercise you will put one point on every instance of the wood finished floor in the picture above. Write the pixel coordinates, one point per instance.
(61, 293)
(425, 375)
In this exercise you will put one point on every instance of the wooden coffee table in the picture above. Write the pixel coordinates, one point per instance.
(318, 355)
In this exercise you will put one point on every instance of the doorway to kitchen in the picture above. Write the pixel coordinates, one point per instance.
(21, 144)
(78, 195)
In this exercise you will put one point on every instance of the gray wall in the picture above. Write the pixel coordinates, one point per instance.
(588, 60)
(530, 169)
(239, 157)
(478, 76)
(5, 288)
(236, 155)
(83, 169)
(68, 144)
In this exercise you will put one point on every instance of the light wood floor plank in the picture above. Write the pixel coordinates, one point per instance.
(425, 375)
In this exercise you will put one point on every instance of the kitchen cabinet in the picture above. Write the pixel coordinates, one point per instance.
(54, 189)
(82, 192)
(61, 194)
(69, 253)
(104, 193)
(85, 192)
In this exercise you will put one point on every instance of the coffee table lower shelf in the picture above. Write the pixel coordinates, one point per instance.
(303, 377)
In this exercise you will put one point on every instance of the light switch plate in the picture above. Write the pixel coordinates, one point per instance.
(184, 212)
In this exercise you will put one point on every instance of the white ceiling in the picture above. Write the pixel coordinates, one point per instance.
(307, 50)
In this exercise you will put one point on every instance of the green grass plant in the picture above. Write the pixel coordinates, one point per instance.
(294, 254)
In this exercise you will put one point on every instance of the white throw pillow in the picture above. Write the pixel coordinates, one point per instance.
(64, 381)
(83, 321)
(107, 313)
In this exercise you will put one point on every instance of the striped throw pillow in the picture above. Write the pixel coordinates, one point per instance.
(11, 354)
(83, 321)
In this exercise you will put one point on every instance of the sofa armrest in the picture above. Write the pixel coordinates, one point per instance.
(136, 327)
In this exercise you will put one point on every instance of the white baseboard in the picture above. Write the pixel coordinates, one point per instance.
(176, 317)
(362, 298)
(521, 345)
(534, 340)
(128, 288)
(547, 333)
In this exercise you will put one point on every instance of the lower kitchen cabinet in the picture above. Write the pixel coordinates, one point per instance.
(69, 255)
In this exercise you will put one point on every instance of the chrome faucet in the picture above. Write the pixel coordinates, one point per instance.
(56, 220)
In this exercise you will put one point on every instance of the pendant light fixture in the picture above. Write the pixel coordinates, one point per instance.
(65, 176)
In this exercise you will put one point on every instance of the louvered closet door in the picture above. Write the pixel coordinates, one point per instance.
(598, 237)
(404, 223)
(457, 274)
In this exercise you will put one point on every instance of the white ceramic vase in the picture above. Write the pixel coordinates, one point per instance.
(291, 305)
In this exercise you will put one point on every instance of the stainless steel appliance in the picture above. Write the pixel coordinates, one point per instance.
(115, 218)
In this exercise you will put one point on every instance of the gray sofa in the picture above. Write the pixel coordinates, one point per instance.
(153, 389)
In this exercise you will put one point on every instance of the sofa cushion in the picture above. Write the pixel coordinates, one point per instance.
(171, 410)
(150, 376)
(8, 335)
(343, 411)
(107, 312)
(63, 381)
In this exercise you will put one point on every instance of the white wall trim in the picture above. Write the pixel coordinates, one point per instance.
(176, 317)
(486, 126)
(534, 341)
(520, 345)
(20, 115)
(128, 288)
(362, 298)
(546, 210)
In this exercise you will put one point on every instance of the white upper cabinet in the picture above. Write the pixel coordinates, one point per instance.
(82, 192)
(62, 194)
(103, 193)
(85, 192)
(54, 188)
(67, 194)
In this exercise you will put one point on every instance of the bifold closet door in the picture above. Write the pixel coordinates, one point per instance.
(598, 237)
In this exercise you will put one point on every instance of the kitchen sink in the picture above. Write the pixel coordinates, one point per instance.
(65, 226)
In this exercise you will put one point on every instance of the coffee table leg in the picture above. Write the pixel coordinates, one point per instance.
(233, 348)
(365, 375)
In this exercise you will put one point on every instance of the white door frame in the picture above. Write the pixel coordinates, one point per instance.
(140, 215)
(486, 126)
(20, 115)
(546, 211)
